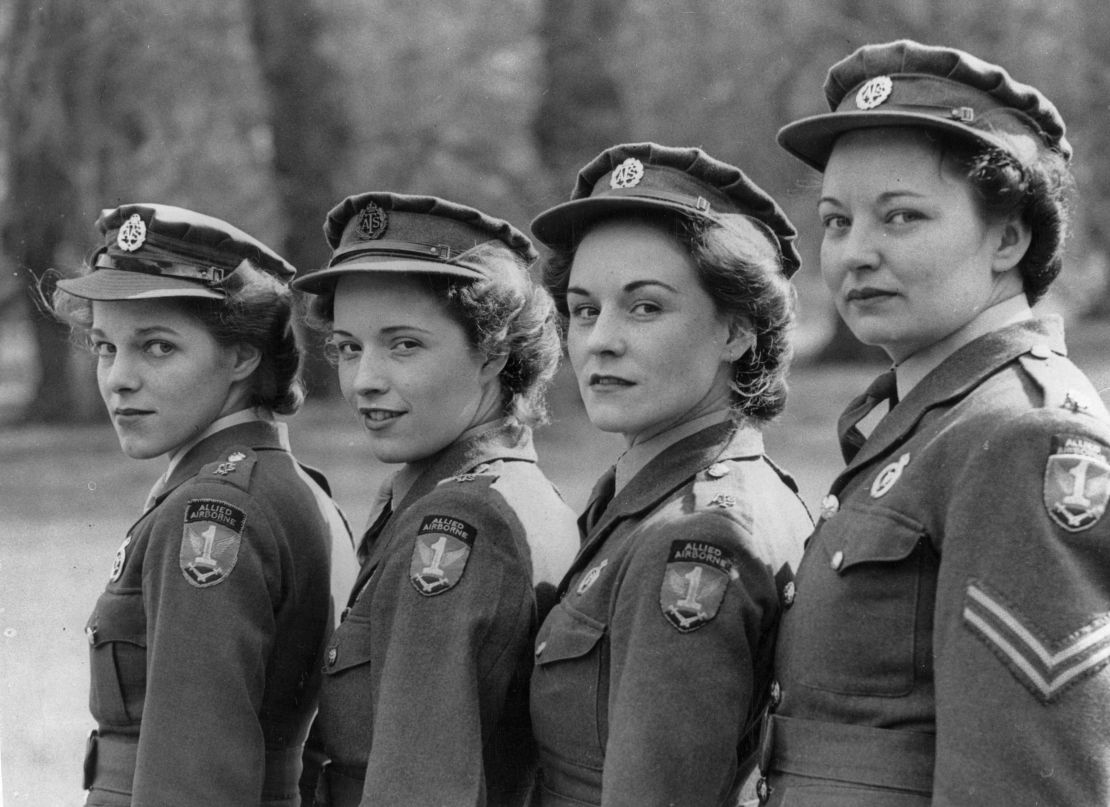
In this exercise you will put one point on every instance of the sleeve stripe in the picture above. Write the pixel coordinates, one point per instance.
(1044, 672)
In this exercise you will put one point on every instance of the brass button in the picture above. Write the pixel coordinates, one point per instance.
(717, 470)
(788, 594)
(333, 656)
(539, 648)
(837, 559)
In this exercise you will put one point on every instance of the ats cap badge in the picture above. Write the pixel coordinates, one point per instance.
(694, 584)
(132, 234)
(439, 556)
(372, 222)
(628, 174)
(874, 92)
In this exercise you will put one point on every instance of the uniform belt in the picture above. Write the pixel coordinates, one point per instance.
(110, 765)
(849, 753)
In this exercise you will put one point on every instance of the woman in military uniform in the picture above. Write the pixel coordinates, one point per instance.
(444, 346)
(650, 674)
(206, 643)
(949, 639)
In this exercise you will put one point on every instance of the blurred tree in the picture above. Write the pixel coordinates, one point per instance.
(42, 94)
(311, 135)
(582, 109)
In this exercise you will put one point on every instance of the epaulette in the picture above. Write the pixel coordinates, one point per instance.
(235, 469)
(1062, 384)
(482, 473)
(714, 489)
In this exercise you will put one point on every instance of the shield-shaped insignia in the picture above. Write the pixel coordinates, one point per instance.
(210, 542)
(694, 584)
(439, 556)
(1076, 482)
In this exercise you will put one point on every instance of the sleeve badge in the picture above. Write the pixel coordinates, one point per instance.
(440, 554)
(1076, 482)
(694, 584)
(211, 540)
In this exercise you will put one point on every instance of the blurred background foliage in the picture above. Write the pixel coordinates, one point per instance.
(267, 112)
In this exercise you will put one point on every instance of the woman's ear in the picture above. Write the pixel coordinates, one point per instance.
(1014, 237)
(492, 367)
(741, 339)
(246, 359)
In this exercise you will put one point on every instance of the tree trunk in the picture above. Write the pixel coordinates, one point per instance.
(44, 52)
(581, 110)
(311, 135)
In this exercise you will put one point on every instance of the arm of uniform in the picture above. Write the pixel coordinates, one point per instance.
(209, 637)
(693, 606)
(1022, 636)
(458, 627)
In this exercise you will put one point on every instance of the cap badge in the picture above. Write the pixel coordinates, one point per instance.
(132, 234)
(874, 92)
(628, 174)
(371, 224)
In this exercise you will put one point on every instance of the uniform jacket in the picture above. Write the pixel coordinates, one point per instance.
(655, 663)
(205, 645)
(953, 605)
(424, 699)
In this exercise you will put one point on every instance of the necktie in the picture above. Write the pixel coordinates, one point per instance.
(599, 499)
(883, 388)
(380, 512)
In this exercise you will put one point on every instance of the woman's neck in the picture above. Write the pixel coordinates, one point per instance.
(911, 370)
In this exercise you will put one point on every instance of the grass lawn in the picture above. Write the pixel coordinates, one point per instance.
(67, 497)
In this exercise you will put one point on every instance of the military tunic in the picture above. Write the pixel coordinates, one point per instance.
(950, 632)
(652, 669)
(424, 699)
(205, 645)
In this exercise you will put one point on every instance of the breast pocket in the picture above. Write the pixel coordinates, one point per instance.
(117, 638)
(864, 604)
(569, 690)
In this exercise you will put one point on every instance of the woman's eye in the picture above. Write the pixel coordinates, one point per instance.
(646, 307)
(582, 311)
(406, 345)
(904, 217)
(159, 349)
(341, 350)
(102, 349)
(834, 221)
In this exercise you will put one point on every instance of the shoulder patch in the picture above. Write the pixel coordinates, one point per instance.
(694, 583)
(1046, 666)
(1076, 481)
(210, 541)
(440, 554)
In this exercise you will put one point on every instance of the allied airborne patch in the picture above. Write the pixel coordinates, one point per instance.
(694, 584)
(211, 540)
(1076, 482)
(439, 557)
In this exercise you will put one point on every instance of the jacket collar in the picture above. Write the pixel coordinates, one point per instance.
(500, 440)
(256, 434)
(677, 465)
(954, 378)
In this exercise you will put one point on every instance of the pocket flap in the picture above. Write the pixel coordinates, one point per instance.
(350, 646)
(117, 618)
(876, 536)
(566, 634)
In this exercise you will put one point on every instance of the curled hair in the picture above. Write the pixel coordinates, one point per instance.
(741, 270)
(257, 311)
(1036, 189)
(505, 314)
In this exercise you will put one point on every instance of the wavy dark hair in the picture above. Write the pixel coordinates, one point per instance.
(1037, 188)
(741, 270)
(506, 314)
(258, 311)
